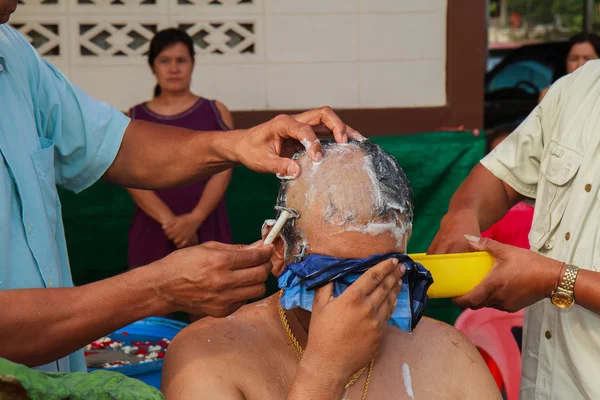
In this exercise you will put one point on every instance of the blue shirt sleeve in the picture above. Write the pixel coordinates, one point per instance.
(86, 132)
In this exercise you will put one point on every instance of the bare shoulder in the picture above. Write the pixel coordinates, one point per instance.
(216, 349)
(225, 114)
(224, 335)
(436, 349)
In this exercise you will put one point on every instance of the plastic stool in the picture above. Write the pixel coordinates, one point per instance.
(490, 330)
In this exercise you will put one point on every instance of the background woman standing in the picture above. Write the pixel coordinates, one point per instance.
(166, 220)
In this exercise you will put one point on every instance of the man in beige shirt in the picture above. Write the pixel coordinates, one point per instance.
(553, 157)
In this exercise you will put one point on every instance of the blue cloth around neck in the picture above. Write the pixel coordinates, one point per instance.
(300, 280)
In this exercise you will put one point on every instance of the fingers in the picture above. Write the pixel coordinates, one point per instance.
(374, 277)
(485, 244)
(327, 117)
(387, 307)
(243, 294)
(288, 127)
(353, 134)
(225, 246)
(285, 168)
(249, 257)
(477, 297)
(323, 295)
(251, 276)
(391, 284)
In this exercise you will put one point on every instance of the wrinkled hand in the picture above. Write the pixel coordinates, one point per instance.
(347, 331)
(450, 238)
(265, 147)
(213, 278)
(518, 279)
(182, 229)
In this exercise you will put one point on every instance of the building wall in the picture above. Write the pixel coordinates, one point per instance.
(261, 57)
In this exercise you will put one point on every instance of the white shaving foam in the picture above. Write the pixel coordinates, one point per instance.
(263, 303)
(287, 177)
(345, 396)
(267, 223)
(407, 380)
(374, 229)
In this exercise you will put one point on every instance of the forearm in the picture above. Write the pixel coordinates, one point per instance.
(483, 197)
(154, 156)
(313, 382)
(213, 193)
(152, 205)
(586, 290)
(38, 326)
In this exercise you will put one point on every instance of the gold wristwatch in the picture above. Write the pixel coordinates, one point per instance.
(564, 296)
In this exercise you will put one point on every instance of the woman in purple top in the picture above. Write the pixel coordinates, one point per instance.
(166, 220)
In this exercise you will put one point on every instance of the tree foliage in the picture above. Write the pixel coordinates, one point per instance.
(556, 16)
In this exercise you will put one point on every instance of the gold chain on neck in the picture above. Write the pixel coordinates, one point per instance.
(300, 351)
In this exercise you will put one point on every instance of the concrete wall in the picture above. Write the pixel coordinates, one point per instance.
(254, 54)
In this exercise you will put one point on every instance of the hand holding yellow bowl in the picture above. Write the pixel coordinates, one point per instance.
(455, 274)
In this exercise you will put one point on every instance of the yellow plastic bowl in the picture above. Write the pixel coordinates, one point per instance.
(455, 274)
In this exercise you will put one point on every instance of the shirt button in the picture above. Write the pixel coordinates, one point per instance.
(548, 246)
(50, 284)
(548, 335)
(29, 229)
(568, 235)
(588, 187)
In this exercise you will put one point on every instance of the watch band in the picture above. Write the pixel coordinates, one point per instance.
(567, 283)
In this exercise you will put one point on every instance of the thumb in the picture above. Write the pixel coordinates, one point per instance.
(484, 244)
(323, 295)
(249, 257)
(285, 168)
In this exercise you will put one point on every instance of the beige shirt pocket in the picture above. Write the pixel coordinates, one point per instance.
(558, 171)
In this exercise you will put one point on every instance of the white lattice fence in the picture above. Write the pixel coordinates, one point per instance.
(118, 32)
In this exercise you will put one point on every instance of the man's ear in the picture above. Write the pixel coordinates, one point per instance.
(278, 258)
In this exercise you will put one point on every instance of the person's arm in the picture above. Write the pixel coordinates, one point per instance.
(38, 326)
(152, 205)
(182, 228)
(154, 156)
(480, 201)
(511, 287)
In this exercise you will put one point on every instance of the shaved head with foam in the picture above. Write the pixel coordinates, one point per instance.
(357, 193)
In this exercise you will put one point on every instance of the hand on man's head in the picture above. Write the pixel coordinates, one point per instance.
(265, 148)
(213, 278)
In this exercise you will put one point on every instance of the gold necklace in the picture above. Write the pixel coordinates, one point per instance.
(298, 350)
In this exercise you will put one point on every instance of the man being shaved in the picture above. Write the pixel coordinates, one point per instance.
(354, 204)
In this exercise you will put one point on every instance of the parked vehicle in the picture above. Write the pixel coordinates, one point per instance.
(513, 86)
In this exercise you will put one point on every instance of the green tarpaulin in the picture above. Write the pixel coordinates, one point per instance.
(96, 221)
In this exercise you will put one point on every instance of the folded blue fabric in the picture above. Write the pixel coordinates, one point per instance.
(299, 281)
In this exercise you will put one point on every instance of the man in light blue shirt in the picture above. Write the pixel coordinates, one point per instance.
(52, 133)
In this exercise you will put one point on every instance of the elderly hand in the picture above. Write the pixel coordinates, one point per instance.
(518, 279)
(451, 236)
(213, 278)
(264, 147)
(347, 331)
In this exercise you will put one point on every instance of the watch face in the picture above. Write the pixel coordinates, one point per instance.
(561, 300)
